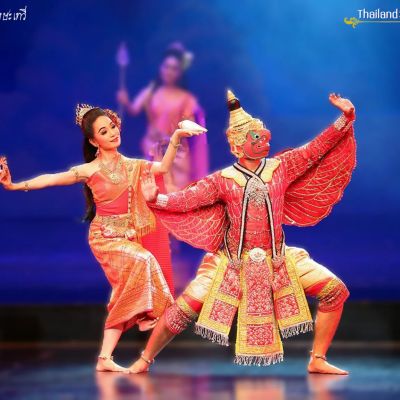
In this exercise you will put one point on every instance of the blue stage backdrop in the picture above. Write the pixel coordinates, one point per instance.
(281, 58)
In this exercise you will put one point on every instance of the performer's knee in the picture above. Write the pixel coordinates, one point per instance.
(180, 314)
(332, 295)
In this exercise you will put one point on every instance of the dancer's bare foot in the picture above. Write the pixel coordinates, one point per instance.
(147, 324)
(142, 364)
(107, 364)
(138, 367)
(319, 365)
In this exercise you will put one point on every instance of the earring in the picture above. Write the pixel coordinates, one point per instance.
(97, 152)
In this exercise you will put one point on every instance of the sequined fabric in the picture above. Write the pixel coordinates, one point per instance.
(138, 284)
(203, 212)
(179, 315)
(317, 175)
(316, 280)
(309, 181)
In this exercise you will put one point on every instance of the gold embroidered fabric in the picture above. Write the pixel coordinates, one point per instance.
(139, 288)
(270, 166)
(138, 285)
(247, 290)
(143, 219)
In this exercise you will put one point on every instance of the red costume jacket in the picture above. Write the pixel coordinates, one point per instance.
(303, 185)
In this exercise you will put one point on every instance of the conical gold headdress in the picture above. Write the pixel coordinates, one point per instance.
(80, 111)
(240, 122)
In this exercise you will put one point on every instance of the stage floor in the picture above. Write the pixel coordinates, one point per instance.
(198, 372)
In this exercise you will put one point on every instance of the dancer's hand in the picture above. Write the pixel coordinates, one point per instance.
(149, 187)
(5, 175)
(344, 105)
(187, 128)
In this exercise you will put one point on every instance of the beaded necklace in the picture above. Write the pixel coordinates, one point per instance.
(115, 175)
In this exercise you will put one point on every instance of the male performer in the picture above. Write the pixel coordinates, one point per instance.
(236, 215)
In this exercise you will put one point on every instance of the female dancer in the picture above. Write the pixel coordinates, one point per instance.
(166, 102)
(119, 218)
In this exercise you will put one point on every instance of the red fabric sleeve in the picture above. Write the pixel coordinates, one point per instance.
(196, 215)
(201, 193)
(310, 197)
(297, 161)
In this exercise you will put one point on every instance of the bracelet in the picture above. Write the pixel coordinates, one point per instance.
(161, 200)
(26, 186)
(173, 144)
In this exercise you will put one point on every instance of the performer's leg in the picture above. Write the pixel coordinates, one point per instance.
(178, 316)
(331, 293)
(326, 324)
(110, 339)
(139, 290)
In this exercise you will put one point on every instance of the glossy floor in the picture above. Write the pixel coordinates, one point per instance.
(193, 373)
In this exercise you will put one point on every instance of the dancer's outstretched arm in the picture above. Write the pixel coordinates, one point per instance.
(298, 160)
(202, 193)
(78, 173)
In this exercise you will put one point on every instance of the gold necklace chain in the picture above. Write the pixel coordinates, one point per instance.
(115, 175)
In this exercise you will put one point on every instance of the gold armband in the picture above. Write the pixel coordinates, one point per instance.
(75, 171)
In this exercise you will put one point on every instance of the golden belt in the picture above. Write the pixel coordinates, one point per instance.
(114, 226)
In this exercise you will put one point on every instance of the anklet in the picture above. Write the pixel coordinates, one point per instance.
(149, 362)
(106, 358)
(318, 356)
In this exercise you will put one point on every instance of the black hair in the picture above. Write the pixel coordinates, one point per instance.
(89, 154)
(178, 53)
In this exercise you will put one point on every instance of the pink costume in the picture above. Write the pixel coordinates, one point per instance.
(164, 114)
(190, 163)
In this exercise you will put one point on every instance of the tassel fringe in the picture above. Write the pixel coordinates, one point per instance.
(145, 230)
(209, 334)
(303, 327)
(259, 361)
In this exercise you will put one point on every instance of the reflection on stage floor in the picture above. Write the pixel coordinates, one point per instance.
(198, 372)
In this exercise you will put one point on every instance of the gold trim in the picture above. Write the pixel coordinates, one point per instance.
(185, 308)
(270, 166)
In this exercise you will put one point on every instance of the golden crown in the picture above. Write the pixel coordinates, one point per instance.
(240, 122)
(80, 111)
